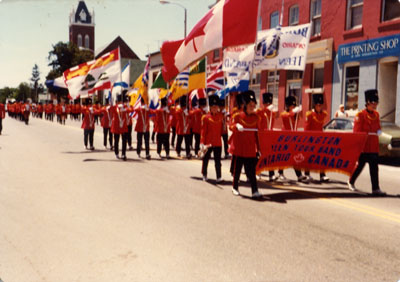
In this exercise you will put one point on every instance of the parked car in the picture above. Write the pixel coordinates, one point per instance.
(389, 140)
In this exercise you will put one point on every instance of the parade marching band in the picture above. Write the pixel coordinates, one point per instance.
(206, 122)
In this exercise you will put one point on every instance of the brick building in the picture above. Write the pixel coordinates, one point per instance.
(81, 27)
(356, 28)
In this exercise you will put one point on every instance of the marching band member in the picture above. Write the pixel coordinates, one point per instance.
(2, 116)
(119, 126)
(244, 144)
(235, 111)
(315, 120)
(162, 127)
(290, 118)
(142, 129)
(88, 124)
(368, 121)
(195, 117)
(268, 113)
(221, 104)
(211, 132)
(183, 127)
(106, 121)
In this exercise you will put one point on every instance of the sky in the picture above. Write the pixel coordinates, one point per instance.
(29, 28)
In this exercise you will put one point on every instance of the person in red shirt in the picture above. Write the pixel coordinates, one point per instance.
(368, 121)
(2, 116)
(315, 120)
(211, 132)
(162, 127)
(26, 111)
(106, 120)
(221, 105)
(183, 127)
(245, 144)
(195, 117)
(142, 129)
(119, 126)
(290, 120)
(173, 122)
(235, 111)
(268, 113)
(88, 123)
(40, 111)
(51, 110)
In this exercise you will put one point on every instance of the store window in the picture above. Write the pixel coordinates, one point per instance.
(294, 15)
(391, 10)
(273, 85)
(354, 13)
(318, 79)
(316, 17)
(351, 87)
(294, 83)
(274, 21)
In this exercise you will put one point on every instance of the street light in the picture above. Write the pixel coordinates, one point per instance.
(180, 5)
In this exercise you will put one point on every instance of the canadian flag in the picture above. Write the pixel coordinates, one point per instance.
(228, 23)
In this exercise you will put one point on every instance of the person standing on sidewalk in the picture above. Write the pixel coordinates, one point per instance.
(368, 121)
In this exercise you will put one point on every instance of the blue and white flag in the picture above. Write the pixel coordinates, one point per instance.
(182, 80)
(236, 82)
(153, 98)
(145, 77)
(125, 76)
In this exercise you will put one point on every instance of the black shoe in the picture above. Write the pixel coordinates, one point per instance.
(123, 157)
(148, 157)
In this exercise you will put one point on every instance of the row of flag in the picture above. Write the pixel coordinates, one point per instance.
(231, 25)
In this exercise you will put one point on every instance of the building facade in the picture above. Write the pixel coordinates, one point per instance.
(343, 57)
(81, 27)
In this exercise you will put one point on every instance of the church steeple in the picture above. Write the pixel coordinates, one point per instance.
(81, 27)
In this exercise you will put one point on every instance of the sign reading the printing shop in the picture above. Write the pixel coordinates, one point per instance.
(370, 49)
(311, 150)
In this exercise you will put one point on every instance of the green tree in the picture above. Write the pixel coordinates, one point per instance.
(5, 93)
(23, 92)
(64, 56)
(35, 81)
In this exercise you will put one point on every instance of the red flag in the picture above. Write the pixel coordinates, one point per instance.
(228, 23)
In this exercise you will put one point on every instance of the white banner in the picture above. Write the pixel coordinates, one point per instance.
(282, 49)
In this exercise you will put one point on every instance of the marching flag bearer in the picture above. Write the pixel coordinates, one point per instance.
(106, 121)
(221, 104)
(268, 114)
(244, 144)
(142, 129)
(368, 121)
(196, 116)
(183, 127)
(211, 132)
(88, 124)
(162, 127)
(315, 121)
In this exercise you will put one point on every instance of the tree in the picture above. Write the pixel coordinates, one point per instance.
(64, 56)
(23, 92)
(35, 81)
(5, 93)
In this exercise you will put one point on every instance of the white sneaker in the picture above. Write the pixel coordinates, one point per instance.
(205, 178)
(302, 179)
(281, 177)
(256, 195)
(378, 192)
(273, 178)
(219, 180)
(235, 192)
(259, 177)
(309, 178)
(325, 179)
(351, 186)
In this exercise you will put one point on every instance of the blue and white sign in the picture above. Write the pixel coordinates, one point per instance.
(370, 49)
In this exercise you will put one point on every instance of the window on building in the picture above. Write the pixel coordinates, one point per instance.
(273, 85)
(80, 40)
(294, 84)
(87, 41)
(354, 13)
(274, 20)
(351, 87)
(316, 17)
(216, 54)
(294, 15)
(391, 10)
(318, 81)
(259, 23)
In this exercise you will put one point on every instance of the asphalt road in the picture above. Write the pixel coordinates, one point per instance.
(67, 214)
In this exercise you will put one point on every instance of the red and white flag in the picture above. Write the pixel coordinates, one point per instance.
(95, 75)
(228, 23)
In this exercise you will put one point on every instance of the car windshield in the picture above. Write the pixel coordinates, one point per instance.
(340, 124)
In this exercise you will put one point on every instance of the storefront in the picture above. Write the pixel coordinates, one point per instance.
(362, 65)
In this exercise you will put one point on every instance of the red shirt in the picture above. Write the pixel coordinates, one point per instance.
(182, 122)
(195, 118)
(244, 143)
(88, 117)
(120, 117)
(40, 109)
(267, 119)
(2, 111)
(162, 122)
(143, 120)
(106, 117)
(315, 121)
(368, 122)
(211, 129)
(289, 121)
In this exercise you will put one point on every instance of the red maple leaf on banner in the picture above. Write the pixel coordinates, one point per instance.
(198, 29)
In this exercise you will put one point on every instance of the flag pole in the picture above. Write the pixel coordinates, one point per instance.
(255, 43)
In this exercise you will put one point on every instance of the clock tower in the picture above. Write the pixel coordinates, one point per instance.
(81, 27)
